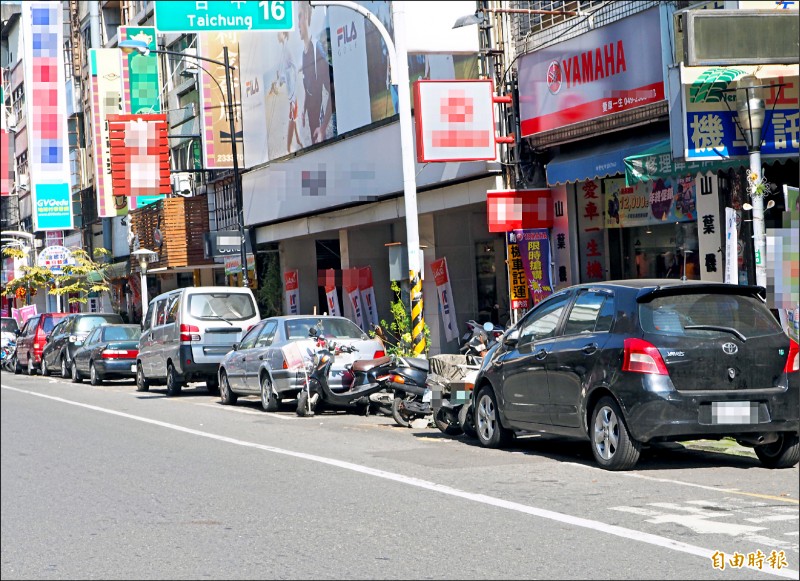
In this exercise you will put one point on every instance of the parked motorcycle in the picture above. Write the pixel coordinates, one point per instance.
(370, 376)
(408, 381)
(8, 348)
(453, 378)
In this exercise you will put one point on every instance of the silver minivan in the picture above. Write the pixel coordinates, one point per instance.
(188, 331)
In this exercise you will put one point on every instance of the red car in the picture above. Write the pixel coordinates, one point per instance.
(32, 339)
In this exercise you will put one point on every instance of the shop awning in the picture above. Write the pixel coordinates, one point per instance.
(597, 162)
(657, 163)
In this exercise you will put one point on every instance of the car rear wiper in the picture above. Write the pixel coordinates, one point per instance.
(730, 330)
(220, 317)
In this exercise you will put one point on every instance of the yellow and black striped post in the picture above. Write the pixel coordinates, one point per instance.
(417, 321)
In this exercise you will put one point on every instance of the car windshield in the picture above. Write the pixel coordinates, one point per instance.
(693, 314)
(122, 333)
(86, 324)
(225, 306)
(329, 327)
(9, 325)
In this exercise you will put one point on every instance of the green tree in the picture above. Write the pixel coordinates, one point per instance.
(87, 275)
(270, 290)
(396, 335)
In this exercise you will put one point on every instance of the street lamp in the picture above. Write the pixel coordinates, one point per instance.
(398, 64)
(129, 46)
(750, 118)
(143, 255)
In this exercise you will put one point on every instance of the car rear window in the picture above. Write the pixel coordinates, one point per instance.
(331, 328)
(678, 314)
(85, 324)
(221, 306)
(49, 322)
(122, 333)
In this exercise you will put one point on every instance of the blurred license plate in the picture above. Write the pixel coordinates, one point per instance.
(220, 338)
(133, 368)
(426, 397)
(734, 412)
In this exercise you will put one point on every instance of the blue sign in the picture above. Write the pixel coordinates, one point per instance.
(53, 207)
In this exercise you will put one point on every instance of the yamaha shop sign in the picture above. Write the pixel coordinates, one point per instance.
(225, 243)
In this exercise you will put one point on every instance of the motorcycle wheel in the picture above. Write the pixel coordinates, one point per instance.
(302, 405)
(400, 416)
(466, 420)
(441, 421)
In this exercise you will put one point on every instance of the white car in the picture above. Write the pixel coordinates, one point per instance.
(258, 365)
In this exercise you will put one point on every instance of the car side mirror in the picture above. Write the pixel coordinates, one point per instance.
(18, 332)
(512, 338)
(235, 346)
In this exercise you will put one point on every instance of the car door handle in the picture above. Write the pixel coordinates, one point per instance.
(590, 348)
(541, 354)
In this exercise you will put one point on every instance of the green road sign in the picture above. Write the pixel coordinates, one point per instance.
(222, 15)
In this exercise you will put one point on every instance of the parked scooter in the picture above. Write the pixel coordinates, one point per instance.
(370, 377)
(412, 396)
(451, 402)
(8, 348)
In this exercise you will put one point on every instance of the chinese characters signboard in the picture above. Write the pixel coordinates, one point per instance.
(210, 15)
(45, 87)
(534, 253)
(139, 154)
(709, 125)
(508, 210)
(455, 120)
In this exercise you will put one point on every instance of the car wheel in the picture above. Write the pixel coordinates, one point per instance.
(225, 394)
(76, 375)
(45, 369)
(490, 431)
(612, 445)
(64, 367)
(400, 415)
(173, 383)
(94, 378)
(466, 419)
(269, 399)
(213, 386)
(31, 370)
(141, 381)
(784, 453)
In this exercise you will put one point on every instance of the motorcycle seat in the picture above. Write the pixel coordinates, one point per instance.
(418, 363)
(367, 364)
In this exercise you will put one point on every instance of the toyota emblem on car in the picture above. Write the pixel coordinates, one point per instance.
(730, 348)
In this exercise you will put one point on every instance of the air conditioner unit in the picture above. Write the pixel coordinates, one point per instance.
(182, 183)
(11, 122)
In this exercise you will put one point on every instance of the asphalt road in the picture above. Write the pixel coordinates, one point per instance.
(107, 483)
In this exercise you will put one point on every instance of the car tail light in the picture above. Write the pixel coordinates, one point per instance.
(793, 360)
(119, 354)
(643, 357)
(378, 354)
(285, 363)
(38, 342)
(348, 378)
(190, 333)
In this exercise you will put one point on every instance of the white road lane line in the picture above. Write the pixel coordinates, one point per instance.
(594, 525)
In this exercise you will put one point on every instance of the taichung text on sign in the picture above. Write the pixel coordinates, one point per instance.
(210, 16)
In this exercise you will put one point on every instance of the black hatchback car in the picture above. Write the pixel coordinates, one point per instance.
(627, 363)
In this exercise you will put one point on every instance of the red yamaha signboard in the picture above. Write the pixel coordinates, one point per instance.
(614, 68)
